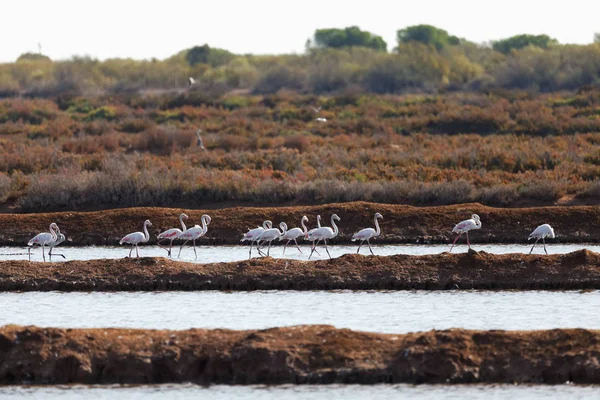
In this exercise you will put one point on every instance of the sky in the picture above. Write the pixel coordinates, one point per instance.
(151, 29)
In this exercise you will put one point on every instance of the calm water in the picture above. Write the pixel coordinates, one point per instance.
(236, 253)
(392, 312)
(326, 392)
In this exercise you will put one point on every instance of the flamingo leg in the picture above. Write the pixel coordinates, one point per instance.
(298, 247)
(468, 243)
(29, 253)
(269, 248)
(181, 248)
(326, 249)
(163, 247)
(194, 243)
(533, 245)
(544, 241)
(136, 251)
(43, 255)
(453, 243)
(284, 247)
(360, 244)
(369, 243)
(130, 250)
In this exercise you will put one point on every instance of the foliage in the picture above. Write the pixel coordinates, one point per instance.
(520, 41)
(351, 36)
(428, 35)
(206, 55)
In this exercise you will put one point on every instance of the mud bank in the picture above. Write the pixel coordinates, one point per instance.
(317, 354)
(473, 270)
(401, 224)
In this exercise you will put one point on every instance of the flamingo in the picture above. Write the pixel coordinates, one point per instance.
(172, 233)
(309, 235)
(465, 226)
(368, 233)
(268, 235)
(191, 81)
(316, 110)
(325, 233)
(59, 239)
(541, 232)
(253, 234)
(136, 238)
(293, 234)
(195, 233)
(45, 238)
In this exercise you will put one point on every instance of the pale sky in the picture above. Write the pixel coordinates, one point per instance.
(146, 29)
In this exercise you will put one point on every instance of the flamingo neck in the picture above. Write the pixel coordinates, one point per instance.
(335, 228)
(204, 224)
(304, 226)
(319, 221)
(183, 227)
(53, 233)
(146, 234)
(377, 230)
(283, 227)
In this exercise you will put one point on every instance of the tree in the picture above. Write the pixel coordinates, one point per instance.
(520, 41)
(351, 36)
(206, 55)
(33, 57)
(426, 34)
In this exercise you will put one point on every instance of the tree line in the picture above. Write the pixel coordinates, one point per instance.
(425, 59)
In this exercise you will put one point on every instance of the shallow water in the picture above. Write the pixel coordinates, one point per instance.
(376, 311)
(208, 254)
(301, 392)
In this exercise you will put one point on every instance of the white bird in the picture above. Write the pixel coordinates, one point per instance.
(367, 234)
(59, 239)
(199, 140)
(324, 233)
(309, 235)
(253, 234)
(172, 233)
(191, 81)
(316, 109)
(293, 234)
(195, 233)
(136, 238)
(321, 119)
(45, 238)
(541, 232)
(268, 235)
(465, 226)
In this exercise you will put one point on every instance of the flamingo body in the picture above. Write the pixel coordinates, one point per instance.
(254, 234)
(464, 227)
(324, 233)
(367, 234)
(173, 233)
(268, 235)
(136, 238)
(45, 238)
(541, 232)
(195, 233)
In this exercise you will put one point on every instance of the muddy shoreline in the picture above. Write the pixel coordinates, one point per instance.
(308, 354)
(401, 224)
(445, 271)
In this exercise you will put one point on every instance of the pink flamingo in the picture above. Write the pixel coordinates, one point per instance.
(172, 233)
(324, 233)
(253, 234)
(136, 238)
(367, 234)
(293, 234)
(195, 233)
(541, 232)
(268, 235)
(45, 238)
(464, 227)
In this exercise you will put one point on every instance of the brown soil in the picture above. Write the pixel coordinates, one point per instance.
(401, 224)
(474, 270)
(300, 354)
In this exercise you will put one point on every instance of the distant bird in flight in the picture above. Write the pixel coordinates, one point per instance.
(191, 81)
(199, 141)
(317, 110)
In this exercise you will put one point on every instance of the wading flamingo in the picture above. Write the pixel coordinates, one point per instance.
(253, 234)
(59, 239)
(172, 234)
(325, 233)
(465, 226)
(195, 233)
(310, 235)
(268, 235)
(44, 239)
(541, 232)
(136, 238)
(368, 233)
(293, 234)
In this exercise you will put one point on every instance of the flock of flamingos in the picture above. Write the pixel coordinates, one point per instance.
(267, 234)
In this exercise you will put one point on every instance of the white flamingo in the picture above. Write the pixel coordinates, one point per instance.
(136, 238)
(541, 232)
(59, 239)
(465, 226)
(325, 233)
(310, 235)
(253, 234)
(172, 233)
(268, 235)
(195, 233)
(367, 234)
(293, 234)
(45, 238)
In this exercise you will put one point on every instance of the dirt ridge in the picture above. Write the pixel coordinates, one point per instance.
(473, 270)
(317, 354)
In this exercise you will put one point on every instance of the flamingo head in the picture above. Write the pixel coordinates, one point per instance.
(147, 222)
(304, 218)
(475, 217)
(184, 216)
(53, 226)
(283, 226)
(207, 218)
(378, 215)
(267, 224)
(335, 216)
